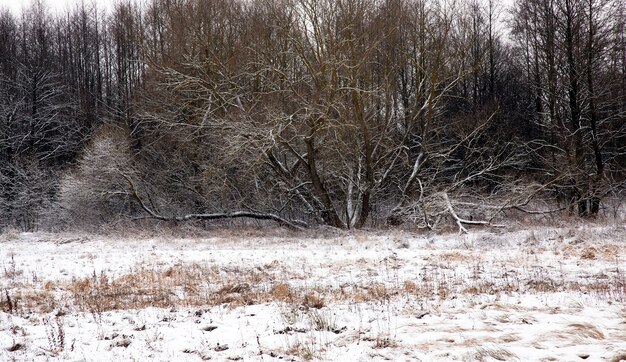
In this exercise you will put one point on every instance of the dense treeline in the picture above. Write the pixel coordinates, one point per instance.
(345, 113)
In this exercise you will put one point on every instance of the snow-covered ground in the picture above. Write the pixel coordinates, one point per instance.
(556, 294)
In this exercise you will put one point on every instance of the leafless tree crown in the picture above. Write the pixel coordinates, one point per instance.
(346, 113)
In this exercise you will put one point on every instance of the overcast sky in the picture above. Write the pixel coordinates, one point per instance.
(17, 5)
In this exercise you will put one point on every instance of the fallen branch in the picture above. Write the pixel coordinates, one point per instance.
(460, 222)
(298, 225)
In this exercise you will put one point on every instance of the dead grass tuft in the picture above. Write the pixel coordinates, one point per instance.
(385, 343)
(456, 257)
(312, 300)
(380, 291)
(238, 288)
(485, 288)
(544, 285)
(620, 357)
(510, 338)
(410, 286)
(26, 299)
(605, 252)
(306, 350)
(586, 330)
(589, 253)
(281, 292)
(15, 347)
(493, 352)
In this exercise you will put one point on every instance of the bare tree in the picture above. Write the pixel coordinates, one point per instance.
(572, 35)
(345, 113)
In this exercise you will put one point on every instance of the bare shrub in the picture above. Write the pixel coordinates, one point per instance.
(30, 193)
(95, 192)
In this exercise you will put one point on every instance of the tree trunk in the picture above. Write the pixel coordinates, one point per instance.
(329, 214)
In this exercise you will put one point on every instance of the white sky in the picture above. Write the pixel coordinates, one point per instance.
(56, 5)
(59, 5)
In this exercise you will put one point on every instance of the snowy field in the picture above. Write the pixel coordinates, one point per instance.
(556, 294)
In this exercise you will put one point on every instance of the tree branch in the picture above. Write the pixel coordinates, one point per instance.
(297, 225)
(460, 222)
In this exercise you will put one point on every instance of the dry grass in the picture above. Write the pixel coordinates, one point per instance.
(313, 300)
(305, 350)
(487, 353)
(281, 292)
(584, 251)
(620, 357)
(26, 300)
(188, 284)
(585, 330)
(509, 338)
(146, 287)
(457, 257)
(311, 308)
(196, 285)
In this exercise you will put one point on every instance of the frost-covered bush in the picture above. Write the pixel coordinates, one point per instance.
(95, 191)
